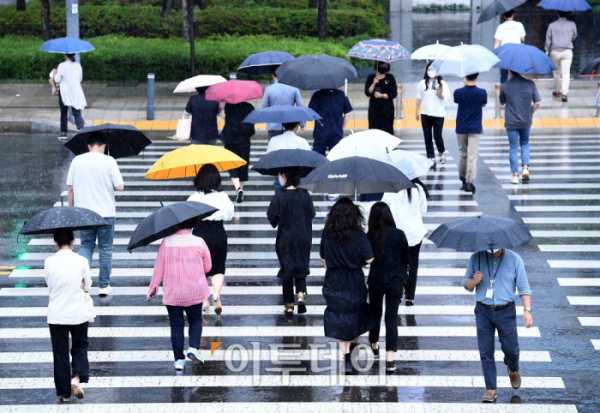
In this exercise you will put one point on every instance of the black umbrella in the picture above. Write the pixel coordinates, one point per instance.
(591, 69)
(497, 8)
(481, 233)
(121, 140)
(282, 114)
(305, 160)
(356, 175)
(62, 217)
(164, 222)
(311, 72)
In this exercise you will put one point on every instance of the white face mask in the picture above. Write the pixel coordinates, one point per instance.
(431, 74)
(281, 181)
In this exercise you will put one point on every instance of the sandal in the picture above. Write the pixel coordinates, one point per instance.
(301, 303)
(218, 308)
(77, 390)
(287, 309)
(442, 159)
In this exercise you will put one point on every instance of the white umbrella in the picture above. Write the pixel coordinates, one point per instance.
(190, 85)
(429, 52)
(465, 60)
(411, 164)
(367, 144)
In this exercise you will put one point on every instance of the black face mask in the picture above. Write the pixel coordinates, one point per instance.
(382, 69)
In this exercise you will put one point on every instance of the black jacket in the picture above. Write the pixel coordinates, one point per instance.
(390, 264)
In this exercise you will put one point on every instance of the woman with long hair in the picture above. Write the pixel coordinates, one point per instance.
(387, 275)
(211, 229)
(407, 207)
(291, 211)
(381, 90)
(345, 250)
(68, 76)
(432, 91)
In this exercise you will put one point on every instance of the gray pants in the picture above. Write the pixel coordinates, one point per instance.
(272, 133)
(468, 147)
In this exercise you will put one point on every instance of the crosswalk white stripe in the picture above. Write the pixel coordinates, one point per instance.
(561, 221)
(579, 282)
(146, 167)
(551, 168)
(583, 300)
(562, 208)
(255, 183)
(555, 176)
(554, 197)
(566, 234)
(247, 193)
(152, 160)
(569, 248)
(552, 186)
(544, 161)
(574, 264)
(589, 321)
(596, 344)
(565, 154)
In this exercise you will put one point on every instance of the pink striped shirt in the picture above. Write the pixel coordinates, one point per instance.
(182, 262)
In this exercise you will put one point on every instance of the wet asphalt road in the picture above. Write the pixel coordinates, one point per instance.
(562, 364)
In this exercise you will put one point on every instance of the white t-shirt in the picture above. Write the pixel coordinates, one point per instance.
(94, 177)
(408, 215)
(219, 200)
(69, 75)
(510, 32)
(433, 105)
(287, 140)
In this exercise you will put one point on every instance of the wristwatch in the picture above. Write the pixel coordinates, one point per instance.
(527, 309)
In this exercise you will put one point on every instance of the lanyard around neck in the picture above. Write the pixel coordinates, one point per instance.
(497, 268)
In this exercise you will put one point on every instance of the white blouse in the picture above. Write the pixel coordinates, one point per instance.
(64, 272)
(219, 200)
(408, 215)
(69, 75)
(433, 105)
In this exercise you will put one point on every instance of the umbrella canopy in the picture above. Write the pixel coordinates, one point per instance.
(121, 140)
(66, 45)
(592, 68)
(411, 164)
(379, 50)
(164, 222)
(282, 114)
(480, 233)
(263, 63)
(75, 218)
(186, 162)
(234, 91)
(190, 85)
(368, 144)
(523, 58)
(465, 60)
(429, 52)
(497, 8)
(312, 72)
(305, 160)
(565, 5)
(356, 175)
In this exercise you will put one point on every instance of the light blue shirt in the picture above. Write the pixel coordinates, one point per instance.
(510, 274)
(279, 94)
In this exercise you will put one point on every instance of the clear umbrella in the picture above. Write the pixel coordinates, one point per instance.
(429, 52)
(190, 85)
(411, 164)
(465, 60)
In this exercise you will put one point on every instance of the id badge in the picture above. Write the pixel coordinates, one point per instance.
(489, 293)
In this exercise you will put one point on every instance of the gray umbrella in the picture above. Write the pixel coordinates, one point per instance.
(497, 8)
(62, 217)
(165, 221)
(312, 72)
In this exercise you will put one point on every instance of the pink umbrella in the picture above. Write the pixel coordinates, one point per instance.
(234, 91)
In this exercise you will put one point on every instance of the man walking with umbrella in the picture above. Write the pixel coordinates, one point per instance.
(279, 94)
(335, 109)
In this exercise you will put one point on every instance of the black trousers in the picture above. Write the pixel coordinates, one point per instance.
(393, 297)
(64, 116)
(63, 372)
(411, 284)
(436, 124)
(288, 288)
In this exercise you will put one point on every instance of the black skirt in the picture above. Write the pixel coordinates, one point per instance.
(243, 151)
(381, 115)
(347, 315)
(213, 233)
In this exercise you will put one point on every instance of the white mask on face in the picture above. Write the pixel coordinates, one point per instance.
(281, 181)
(431, 74)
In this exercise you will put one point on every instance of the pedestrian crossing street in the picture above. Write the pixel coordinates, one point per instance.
(130, 351)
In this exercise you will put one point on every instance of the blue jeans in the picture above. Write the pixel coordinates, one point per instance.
(503, 75)
(516, 138)
(505, 321)
(194, 313)
(105, 237)
(320, 145)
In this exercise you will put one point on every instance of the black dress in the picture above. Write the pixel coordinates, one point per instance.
(292, 212)
(236, 136)
(347, 315)
(381, 111)
(213, 233)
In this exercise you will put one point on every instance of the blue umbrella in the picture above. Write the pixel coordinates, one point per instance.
(565, 5)
(67, 45)
(263, 63)
(282, 114)
(523, 58)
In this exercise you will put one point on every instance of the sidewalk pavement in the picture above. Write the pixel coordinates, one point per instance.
(126, 104)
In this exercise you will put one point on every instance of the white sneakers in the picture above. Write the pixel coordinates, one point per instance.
(515, 180)
(103, 292)
(525, 175)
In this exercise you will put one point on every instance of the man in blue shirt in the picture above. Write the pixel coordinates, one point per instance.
(279, 94)
(334, 107)
(494, 278)
(471, 101)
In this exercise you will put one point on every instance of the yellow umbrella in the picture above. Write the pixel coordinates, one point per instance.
(186, 162)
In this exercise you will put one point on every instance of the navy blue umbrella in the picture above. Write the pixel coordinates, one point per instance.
(62, 217)
(565, 5)
(481, 233)
(305, 160)
(66, 45)
(497, 8)
(121, 140)
(312, 72)
(263, 63)
(282, 114)
(523, 59)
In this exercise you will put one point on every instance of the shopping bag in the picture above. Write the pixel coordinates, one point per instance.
(90, 303)
(184, 128)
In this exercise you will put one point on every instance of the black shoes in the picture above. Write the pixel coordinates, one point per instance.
(239, 196)
(469, 187)
(375, 352)
(348, 369)
(464, 183)
(390, 366)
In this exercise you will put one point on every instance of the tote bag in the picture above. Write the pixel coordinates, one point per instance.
(184, 128)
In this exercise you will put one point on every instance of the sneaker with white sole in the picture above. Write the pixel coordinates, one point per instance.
(103, 292)
(525, 175)
(515, 180)
(194, 355)
(239, 196)
(179, 365)
(62, 137)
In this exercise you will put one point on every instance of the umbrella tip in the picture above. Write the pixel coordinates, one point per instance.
(161, 205)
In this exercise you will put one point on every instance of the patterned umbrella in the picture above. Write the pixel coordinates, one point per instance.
(75, 218)
(380, 50)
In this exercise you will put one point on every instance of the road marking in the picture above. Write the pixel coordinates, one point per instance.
(251, 193)
(569, 248)
(579, 282)
(554, 197)
(574, 264)
(562, 208)
(566, 154)
(596, 344)
(557, 176)
(544, 161)
(550, 168)
(583, 300)
(552, 186)
(566, 234)
(589, 321)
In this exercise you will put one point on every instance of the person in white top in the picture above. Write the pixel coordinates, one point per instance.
(68, 76)
(287, 140)
(92, 180)
(211, 229)
(407, 208)
(509, 32)
(432, 91)
(68, 278)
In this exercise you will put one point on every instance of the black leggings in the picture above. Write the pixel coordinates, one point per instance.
(393, 297)
(437, 124)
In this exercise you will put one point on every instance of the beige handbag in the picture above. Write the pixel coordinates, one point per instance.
(184, 128)
(90, 303)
